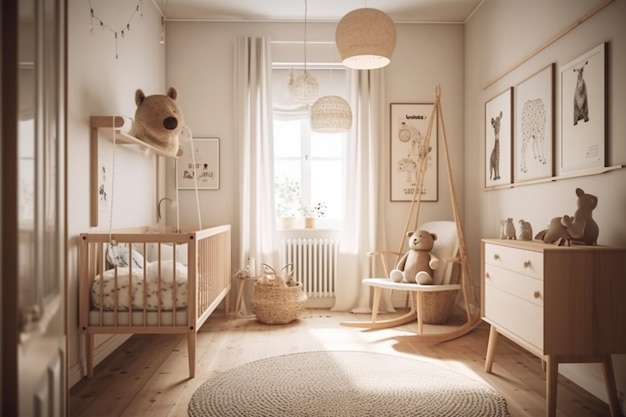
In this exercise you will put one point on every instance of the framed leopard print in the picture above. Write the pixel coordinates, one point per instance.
(534, 126)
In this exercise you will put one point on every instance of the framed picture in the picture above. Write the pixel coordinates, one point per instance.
(583, 113)
(534, 126)
(201, 167)
(498, 139)
(409, 126)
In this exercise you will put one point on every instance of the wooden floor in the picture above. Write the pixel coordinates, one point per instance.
(148, 375)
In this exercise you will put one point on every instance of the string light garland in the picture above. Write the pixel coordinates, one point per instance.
(126, 28)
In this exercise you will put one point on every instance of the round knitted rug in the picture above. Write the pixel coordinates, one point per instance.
(342, 384)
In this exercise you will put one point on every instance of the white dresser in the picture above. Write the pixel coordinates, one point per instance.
(562, 303)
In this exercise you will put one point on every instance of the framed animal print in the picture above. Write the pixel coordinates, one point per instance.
(534, 126)
(498, 139)
(199, 165)
(409, 128)
(583, 111)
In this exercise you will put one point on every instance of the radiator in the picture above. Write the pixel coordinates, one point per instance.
(315, 265)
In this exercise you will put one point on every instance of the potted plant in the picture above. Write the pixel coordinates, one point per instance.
(311, 212)
(287, 196)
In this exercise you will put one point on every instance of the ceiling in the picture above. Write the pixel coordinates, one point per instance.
(401, 11)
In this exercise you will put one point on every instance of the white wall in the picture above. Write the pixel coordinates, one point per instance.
(200, 59)
(497, 37)
(100, 84)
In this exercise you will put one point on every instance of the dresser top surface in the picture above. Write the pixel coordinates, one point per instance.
(540, 246)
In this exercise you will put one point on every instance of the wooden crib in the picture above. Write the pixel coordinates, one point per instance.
(143, 281)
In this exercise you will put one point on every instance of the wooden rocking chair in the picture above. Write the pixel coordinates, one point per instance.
(431, 304)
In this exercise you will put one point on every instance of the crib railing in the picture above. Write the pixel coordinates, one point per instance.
(207, 255)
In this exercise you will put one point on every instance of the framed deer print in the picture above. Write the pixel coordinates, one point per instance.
(408, 136)
(534, 126)
(583, 111)
(498, 139)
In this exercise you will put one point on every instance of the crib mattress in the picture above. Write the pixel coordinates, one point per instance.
(160, 286)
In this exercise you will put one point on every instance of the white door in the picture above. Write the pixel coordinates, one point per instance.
(40, 216)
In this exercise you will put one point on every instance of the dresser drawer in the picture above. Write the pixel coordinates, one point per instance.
(527, 288)
(517, 315)
(525, 262)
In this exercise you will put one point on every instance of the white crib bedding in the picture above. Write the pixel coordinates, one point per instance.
(172, 277)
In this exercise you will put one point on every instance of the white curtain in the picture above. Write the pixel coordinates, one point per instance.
(253, 109)
(366, 189)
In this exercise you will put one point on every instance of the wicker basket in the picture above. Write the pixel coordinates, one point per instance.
(438, 306)
(275, 302)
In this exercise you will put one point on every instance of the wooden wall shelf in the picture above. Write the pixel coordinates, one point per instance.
(112, 128)
(582, 173)
(121, 138)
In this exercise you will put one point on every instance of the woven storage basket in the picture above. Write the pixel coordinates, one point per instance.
(438, 306)
(275, 302)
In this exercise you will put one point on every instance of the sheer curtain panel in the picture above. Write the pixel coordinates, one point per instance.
(365, 185)
(253, 109)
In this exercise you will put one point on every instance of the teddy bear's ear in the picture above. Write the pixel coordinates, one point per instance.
(172, 93)
(434, 235)
(409, 234)
(139, 96)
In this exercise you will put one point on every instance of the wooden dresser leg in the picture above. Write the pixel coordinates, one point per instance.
(609, 380)
(491, 348)
(552, 377)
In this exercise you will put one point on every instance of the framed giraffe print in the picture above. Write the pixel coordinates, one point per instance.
(534, 127)
(498, 139)
(409, 133)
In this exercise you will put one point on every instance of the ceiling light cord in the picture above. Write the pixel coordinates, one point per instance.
(305, 18)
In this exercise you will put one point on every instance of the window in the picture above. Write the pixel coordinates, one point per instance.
(308, 166)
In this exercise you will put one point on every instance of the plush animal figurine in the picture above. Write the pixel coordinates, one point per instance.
(526, 230)
(418, 263)
(159, 121)
(509, 229)
(580, 229)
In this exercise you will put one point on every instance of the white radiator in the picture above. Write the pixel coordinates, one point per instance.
(315, 265)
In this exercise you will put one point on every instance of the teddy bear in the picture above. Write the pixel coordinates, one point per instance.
(418, 263)
(159, 121)
(579, 229)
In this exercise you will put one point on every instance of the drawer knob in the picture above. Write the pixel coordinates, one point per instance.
(536, 295)
(526, 264)
(496, 256)
(487, 275)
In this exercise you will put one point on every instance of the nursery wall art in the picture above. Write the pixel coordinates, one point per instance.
(498, 139)
(409, 126)
(200, 168)
(534, 127)
(583, 111)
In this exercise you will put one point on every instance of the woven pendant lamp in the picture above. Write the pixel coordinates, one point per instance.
(331, 114)
(365, 39)
(304, 88)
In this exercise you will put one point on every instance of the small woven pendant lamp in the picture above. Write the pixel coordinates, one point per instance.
(331, 114)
